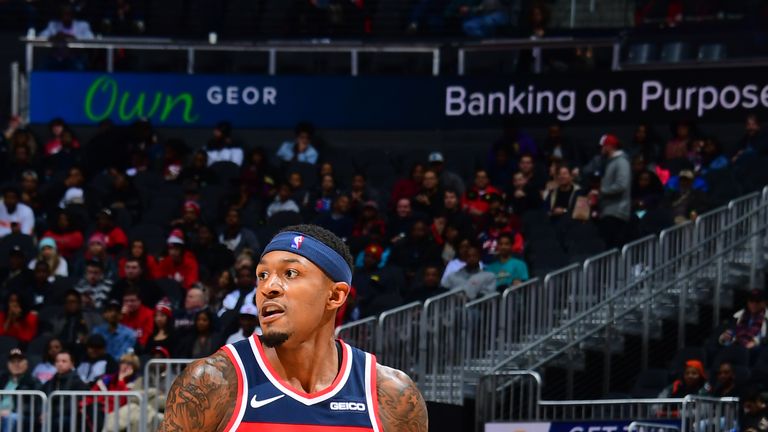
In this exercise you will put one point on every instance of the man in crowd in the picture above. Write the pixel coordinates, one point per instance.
(448, 179)
(17, 377)
(135, 280)
(15, 216)
(249, 324)
(194, 302)
(96, 362)
(94, 289)
(137, 316)
(509, 270)
(65, 379)
(475, 281)
(614, 195)
(120, 339)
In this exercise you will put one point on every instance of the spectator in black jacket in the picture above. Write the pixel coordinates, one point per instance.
(97, 362)
(73, 325)
(416, 250)
(17, 377)
(65, 379)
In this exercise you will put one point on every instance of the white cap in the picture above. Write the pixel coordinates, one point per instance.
(435, 157)
(249, 309)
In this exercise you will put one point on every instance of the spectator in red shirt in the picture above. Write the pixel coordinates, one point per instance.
(137, 316)
(138, 251)
(408, 187)
(115, 236)
(61, 136)
(68, 238)
(474, 201)
(180, 264)
(18, 320)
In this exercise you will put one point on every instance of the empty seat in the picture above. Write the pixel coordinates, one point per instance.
(675, 52)
(650, 383)
(152, 235)
(712, 52)
(734, 354)
(641, 53)
(683, 355)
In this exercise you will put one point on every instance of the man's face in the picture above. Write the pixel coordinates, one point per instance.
(111, 315)
(504, 246)
(526, 165)
(430, 180)
(233, 219)
(752, 126)
(418, 231)
(295, 180)
(725, 374)
(481, 180)
(131, 303)
(72, 304)
(303, 140)
(691, 376)
(358, 182)
(41, 273)
(403, 208)
(194, 299)
(248, 323)
(450, 200)
(431, 277)
(93, 275)
(564, 177)
(11, 200)
(132, 270)
(28, 183)
(294, 298)
(519, 181)
(175, 252)
(204, 235)
(473, 257)
(342, 205)
(245, 278)
(18, 366)
(63, 363)
(75, 177)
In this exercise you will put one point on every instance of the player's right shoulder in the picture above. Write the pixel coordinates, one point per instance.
(203, 397)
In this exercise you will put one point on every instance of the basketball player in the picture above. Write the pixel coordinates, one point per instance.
(296, 377)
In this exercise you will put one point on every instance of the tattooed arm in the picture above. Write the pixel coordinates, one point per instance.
(401, 407)
(203, 397)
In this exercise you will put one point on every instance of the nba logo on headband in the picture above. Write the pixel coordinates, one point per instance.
(297, 241)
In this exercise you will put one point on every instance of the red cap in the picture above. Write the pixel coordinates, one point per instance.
(374, 250)
(176, 237)
(192, 205)
(609, 140)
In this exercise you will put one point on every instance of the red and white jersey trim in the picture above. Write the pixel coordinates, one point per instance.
(242, 389)
(303, 397)
(371, 395)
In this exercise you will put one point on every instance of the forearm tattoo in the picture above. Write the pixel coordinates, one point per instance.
(203, 397)
(401, 406)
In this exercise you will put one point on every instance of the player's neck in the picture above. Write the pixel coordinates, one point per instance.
(310, 366)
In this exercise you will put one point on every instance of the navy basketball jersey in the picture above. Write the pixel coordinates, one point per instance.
(265, 402)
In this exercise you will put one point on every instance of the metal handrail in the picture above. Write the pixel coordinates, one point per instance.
(272, 48)
(663, 286)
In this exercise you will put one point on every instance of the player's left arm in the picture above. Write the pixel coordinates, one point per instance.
(401, 406)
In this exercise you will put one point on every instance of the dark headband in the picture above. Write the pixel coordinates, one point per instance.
(330, 261)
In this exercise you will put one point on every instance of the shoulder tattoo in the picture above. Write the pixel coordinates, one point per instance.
(401, 406)
(203, 397)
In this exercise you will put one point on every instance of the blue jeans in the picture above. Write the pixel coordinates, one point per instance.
(485, 25)
(8, 423)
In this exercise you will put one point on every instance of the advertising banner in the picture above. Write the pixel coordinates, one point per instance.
(583, 426)
(255, 101)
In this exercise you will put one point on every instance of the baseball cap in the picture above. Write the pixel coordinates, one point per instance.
(436, 157)
(249, 309)
(16, 353)
(374, 250)
(192, 205)
(372, 204)
(113, 304)
(47, 242)
(16, 250)
(609, 140)
(98, 237)
(105, 211)
(686, 174)
(176, 237)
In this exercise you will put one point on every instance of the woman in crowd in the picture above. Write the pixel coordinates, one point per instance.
(17, 319)
(163, 334)
(693, 382)
(49, 254)
(203, 340)
(46, 369)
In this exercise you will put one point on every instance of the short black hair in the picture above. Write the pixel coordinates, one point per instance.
(325, 237)
(305, 127)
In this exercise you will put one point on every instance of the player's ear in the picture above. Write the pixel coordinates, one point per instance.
(338, 295)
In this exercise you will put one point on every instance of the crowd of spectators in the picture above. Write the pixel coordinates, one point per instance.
(131, 245)
(237, 19)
